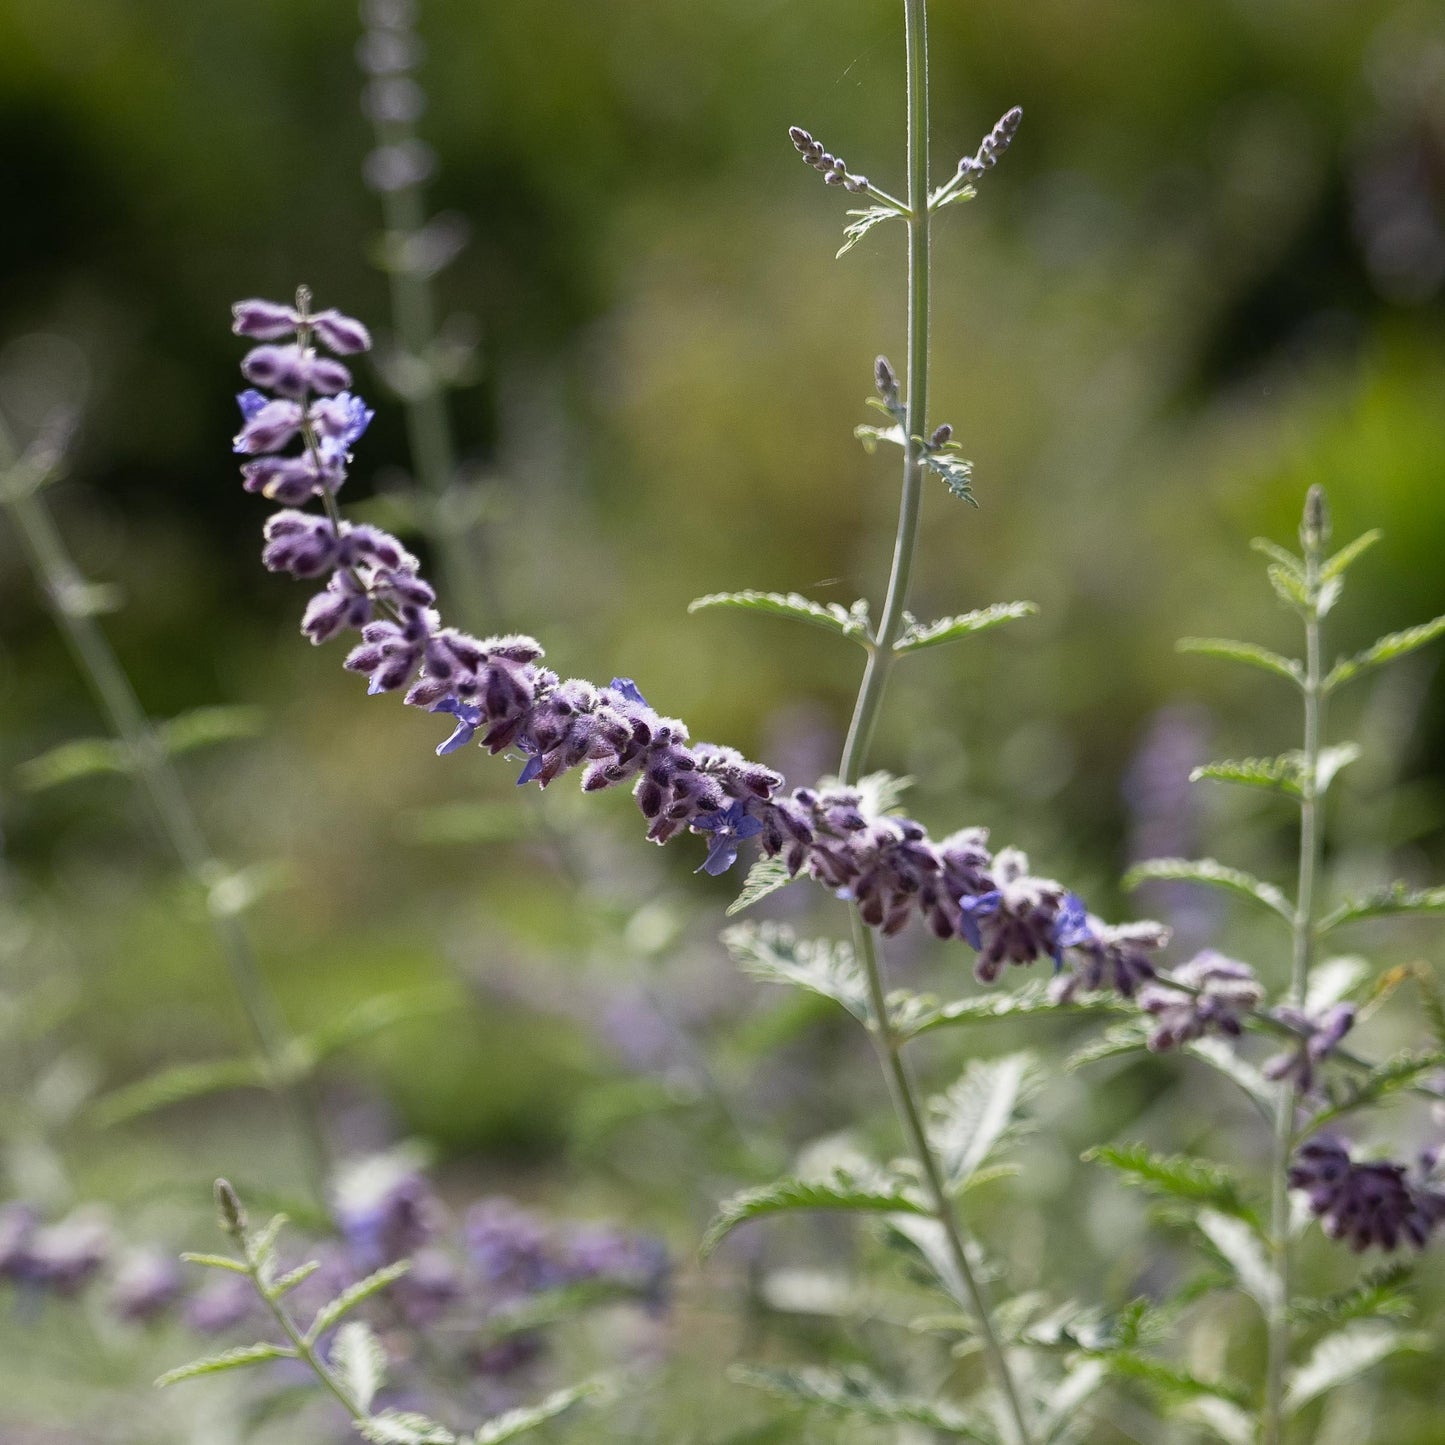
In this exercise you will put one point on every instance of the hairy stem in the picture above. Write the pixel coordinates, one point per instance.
(1272, 1423)
(901, 1085)
(64, 590)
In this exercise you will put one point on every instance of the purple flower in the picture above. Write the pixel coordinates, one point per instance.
(385, 1209)
(294, 371)
(17, 1228)
(339, 423)
(1224, 993)
(147, 1283)
(1102, 955)
(469, 719)
(224, 1301)
(728, 826)
(510, 1249)
(345, 335)
(1319, 1038)
(270, 320)
(63, 1256)
(1366, 1204)
(268, 425)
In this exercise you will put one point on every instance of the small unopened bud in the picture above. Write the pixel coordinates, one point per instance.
(228, 1206)
(885, 379)
(1315, 529)
(303, 301)
(800, 137)
(941, 436)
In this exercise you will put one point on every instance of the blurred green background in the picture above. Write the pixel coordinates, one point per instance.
(1210, 272)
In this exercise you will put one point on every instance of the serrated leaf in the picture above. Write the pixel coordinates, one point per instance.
(863, 221)
(405, 1427)
(957, 473)
(1385, 649)
(1233, 1425)
(1214, 874)
(1332, 980)
(767, 875)
(79, 758)
(1171, 1379)
(1383, 903)
(1179, 1176)
(1279, 775)
(981, 1113)
(228, 1360)
(354, 1295)
(1331, 761)
(1242, 1250)
(1245, 652)
(1067, 1396)
(843, 1192)
(774, 953)
(528, 1417)
(261, 1246)
(359, 1360)
(881, 793)
(949, 629)
(1288, 585)
(851, 622)
(854, 1390)
(177, 1085)
(1123, 1038)
(1223, 1059)
(1341, 1356)
(1379, 1295)
(914, 1014)
(1401, 1071)
(1282, 555)
(216, 1261)
(1348, 555)
(202, 727)
(288, 1281)
(871, 436)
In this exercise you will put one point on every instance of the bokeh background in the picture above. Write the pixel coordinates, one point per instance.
(1210, 273)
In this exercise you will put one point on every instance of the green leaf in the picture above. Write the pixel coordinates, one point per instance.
(1288, 586)
(1341, 1356)
(1347, 556)
(358, 1358)
(851, 622)
(982, 1113)
(288, 1281)
(1242, 1250)
(881, 1194)
(216, 1261)
(202, 727)
(914, 1014)
(767, 875)
(1179, 1176)
(1280, 775)
(528, 1417)
(918, 635)
(1399, 1072)
(261, 1246)
(1282, 555)
(177, 1085)
(227, 1360)
(861, 224)
(1333, 979)
(1213, 873)
(773, 953)
(1122, 1038)
(881, 792)
(1380, 1294)
(354, 1295)
(1233, 1425)
(1171, 1379)
(1386, 649)
(1245, 652)
(404, 1427)
(79, 758)
(1331, 761)
(956, 473)
(871, 436)
(854, 1390)
(1223, 1059)
(375, 1015)
(1397, 898)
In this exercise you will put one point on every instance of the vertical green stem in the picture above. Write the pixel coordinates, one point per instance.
(1273, 1422)
(901, 1085)
(64, 588)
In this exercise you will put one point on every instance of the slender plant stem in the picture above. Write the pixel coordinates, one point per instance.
(901, 1085)
(65, 589)
(1273, 1422)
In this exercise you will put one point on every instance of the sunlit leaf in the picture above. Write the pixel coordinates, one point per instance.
(529, 1417)
(217, 1261)
(79, 758)
(1386, 649)
(1288, 585)
(203, 727)
(1348, 555)
(1397, 898)
(854, 1390)
(354, 1295)
(863, 221)
(1243, 1251)
(919, 635)
(1245, 652)
(293, 1277)
(879, 1195)
(1169, 1378)
(177, 1085)
(982, 1113)
(227, 1360)
(1341, 1356)
(1282, 555)
(851, 622)
(955, 471)
(1178, 1176)
(405, 1427)
(1401, 1071)
(359, 1360)
(914, 1014)
(1230, 1422)
(774, 953)
(1215, 875)
(1280, 775)
(1381, 1294)
(767, 875)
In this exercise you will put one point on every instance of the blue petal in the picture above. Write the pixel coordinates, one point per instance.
(720, 857)
(624, 687)
(250, 401)
(535, 764)
(459, 738)
(750, 827)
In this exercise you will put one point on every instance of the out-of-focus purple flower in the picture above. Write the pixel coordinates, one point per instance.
(429, 1288)
(385, 1209)
(1224, 993)
(294, 371)
(147, 1283)
(345, 335)
(18, 1223)
(223, 1302)
(507, 1355)
(267, 425)
(1319, 1037)
(271, 320)
(1102, 955)
(636, 1262)
(63, 1256)
(510, 1248)
(729, 827)
(1368, 1204)
(1017, 919)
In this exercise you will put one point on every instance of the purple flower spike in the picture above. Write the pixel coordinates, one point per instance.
(728, 826)
(1377, 1203)
(270, 425)
(343, 334)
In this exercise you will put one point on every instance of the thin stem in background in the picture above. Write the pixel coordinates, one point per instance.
(64, 589)
(1273, 1420)
(902, 1087)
